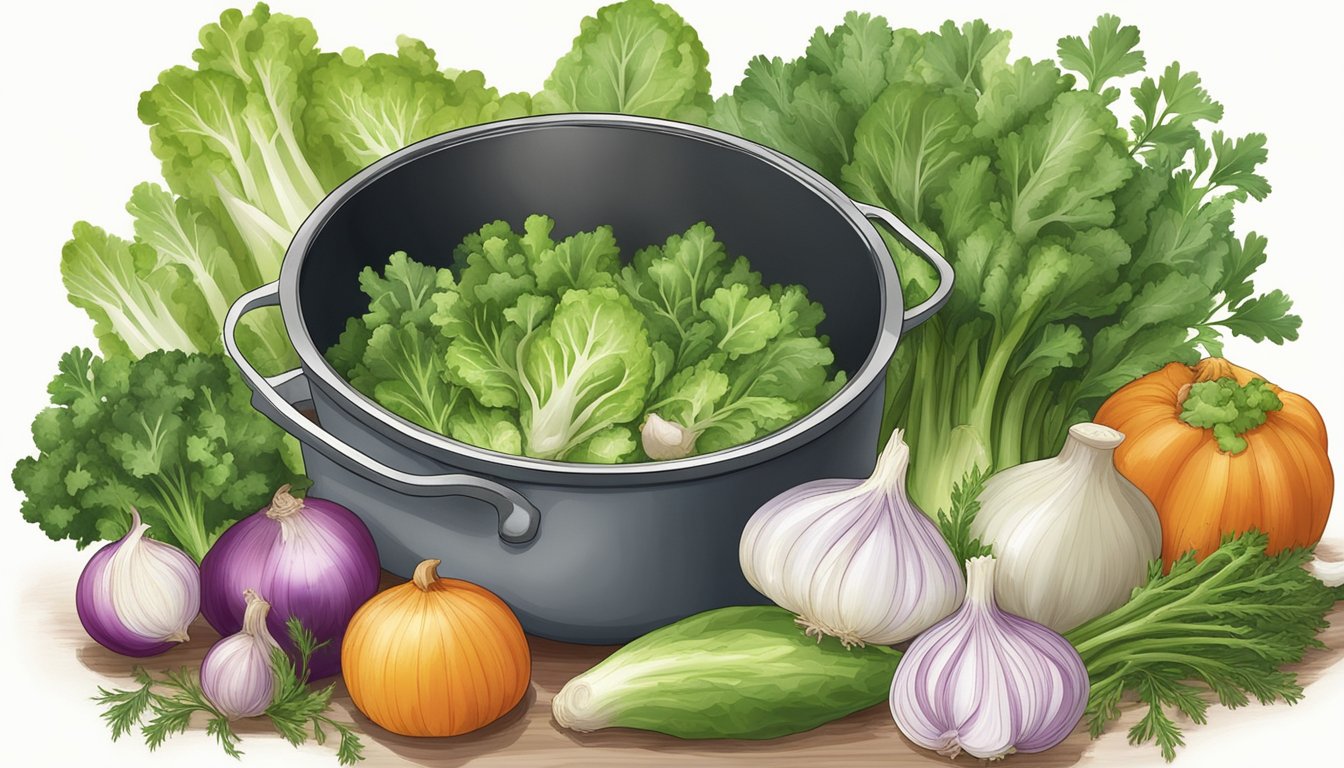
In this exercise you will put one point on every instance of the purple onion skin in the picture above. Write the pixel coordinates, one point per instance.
(98, 618)
(321, 578)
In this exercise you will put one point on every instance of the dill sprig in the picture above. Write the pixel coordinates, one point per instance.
(1225, 625)
(174, 699)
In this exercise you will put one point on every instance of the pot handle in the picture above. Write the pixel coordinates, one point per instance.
(518, 518)
(916, 315)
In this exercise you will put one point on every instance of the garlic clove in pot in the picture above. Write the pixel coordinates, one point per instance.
(664, 440)
(1073, 537)
(854, 558)
(986, 682)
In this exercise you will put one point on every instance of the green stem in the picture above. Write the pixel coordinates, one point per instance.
(1121, 622)
(187, 528)
(1008, 448)
(986, 396)
(1161, 644)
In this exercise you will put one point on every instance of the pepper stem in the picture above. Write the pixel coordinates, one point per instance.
(426, 575)
(1227, 408)
(283, 504)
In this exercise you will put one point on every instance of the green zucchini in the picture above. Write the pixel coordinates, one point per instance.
(731, 673)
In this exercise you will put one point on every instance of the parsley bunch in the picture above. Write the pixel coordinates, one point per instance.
(172, 434)
(1226, 624)
(171, 702)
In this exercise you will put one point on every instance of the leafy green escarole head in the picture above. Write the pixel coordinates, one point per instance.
(585, 370)
(1217, 402)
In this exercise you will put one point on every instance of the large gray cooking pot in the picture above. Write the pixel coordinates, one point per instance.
(581, 552)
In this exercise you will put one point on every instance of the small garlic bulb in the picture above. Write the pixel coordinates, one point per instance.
(1073, 537)
(237, 675)
(986, 682)
(138, 596)
(854, 558)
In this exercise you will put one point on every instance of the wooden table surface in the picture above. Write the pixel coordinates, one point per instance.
(528, 736)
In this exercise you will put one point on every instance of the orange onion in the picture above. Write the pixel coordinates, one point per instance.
(435, 657)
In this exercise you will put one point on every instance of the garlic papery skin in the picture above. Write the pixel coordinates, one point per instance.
(1073, 537)
(237, 675)
(663, 440)
(986, 682)
(1330, 573)
(138, 596)
(855, 559)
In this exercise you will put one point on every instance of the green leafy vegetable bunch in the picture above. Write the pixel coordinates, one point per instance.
(1087, 252)
(1227, 624)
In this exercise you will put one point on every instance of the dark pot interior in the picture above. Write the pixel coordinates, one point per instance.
(646, 183)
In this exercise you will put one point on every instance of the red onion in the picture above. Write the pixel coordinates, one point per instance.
(313, 559)
(137, 596)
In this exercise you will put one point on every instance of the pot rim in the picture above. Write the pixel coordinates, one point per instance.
(855, 390)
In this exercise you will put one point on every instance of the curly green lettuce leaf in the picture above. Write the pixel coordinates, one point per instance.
(1062, 167)
(407, 365)
(586, 368)
(137, 304)
(583, 260)
(669, 284)
(743, 324)
(494, 429)
(182, 233)
(230, 132)
(403, 294)
(908, 146)
(637, 57)
(368, 107)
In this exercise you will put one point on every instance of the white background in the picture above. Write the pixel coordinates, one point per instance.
(73, 148)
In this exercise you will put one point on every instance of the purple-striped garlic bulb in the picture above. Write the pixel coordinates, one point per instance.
(138, 596)
(237, 673)
(986, 682)
(855, 559)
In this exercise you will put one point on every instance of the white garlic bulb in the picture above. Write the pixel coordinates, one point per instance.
(986, 682)
(1072, 536)
(854, 558)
